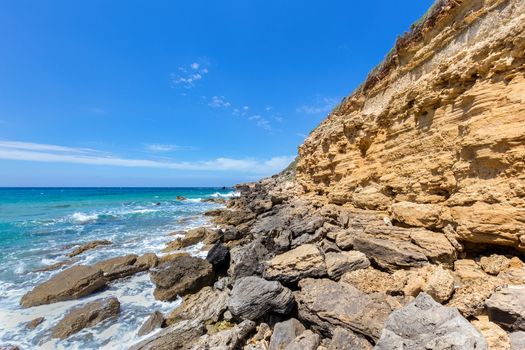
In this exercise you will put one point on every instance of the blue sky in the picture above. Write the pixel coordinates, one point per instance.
(177, 93)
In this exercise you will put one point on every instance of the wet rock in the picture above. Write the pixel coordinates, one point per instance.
(506, 307)
(182, 275)
(194, 236)
(494, 264)
(340, 263)
(57, 265)
(154, 321)
(495, 336)
(207, 305)
(119, 267)
(253, 297)
(247, 260)
(9, 347)
(85, 316)
(284, 333)
(307, 340)
(87, 246)
(73, 283)
(219, 256)
(214, 212)
(178, 336)
(344, 339)
(425, 324)
(325, 305)
(181, 198)
(440, 285)
(304, 261)
(214, 200)
(147, 261)
(517, 340)
(34, 323)
(229, 339)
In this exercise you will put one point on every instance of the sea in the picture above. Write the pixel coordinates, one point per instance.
(39, 226)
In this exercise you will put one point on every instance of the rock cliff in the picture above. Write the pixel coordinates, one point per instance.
(436, 134)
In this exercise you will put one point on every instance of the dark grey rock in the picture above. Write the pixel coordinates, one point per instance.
(218, 256)
(284, 333)
(506, 307)
(247, 260)
(344, 339)
(307, 340)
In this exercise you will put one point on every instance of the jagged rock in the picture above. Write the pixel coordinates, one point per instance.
(85, 316)
(234, 217)
(207, 305)
(307, 340)
(73, 283)
(214, 212)
(247, 260)
(228, 339)
(304, 261)
(425, 324)
(182, 275)
(87, 246)
(470, 297)
(154, 321)
(284, 333)
(253, 297)
(119, 267)
(467, 269)
(328, 246)
(147, 261)
(440, 285)
(57, 265)
(181, 198)
(178, 336)
(34, 323)
(506, 307)
(495, 336)
(231, 233)
(194, 236)
(325, 304)
(344, 339)
(9, 347)
(218, 256)
(517, 340)
(339, 263)
(214, 200)
(514, 273)
(261, 339)
(416, 214)
(494, 264)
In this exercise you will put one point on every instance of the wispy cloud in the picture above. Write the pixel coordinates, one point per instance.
(36, 152)
(320, 105)
(188, 76)
(219, 102)
(157, 147)
(261, 122)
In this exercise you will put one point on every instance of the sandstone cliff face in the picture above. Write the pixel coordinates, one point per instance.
(436, 136)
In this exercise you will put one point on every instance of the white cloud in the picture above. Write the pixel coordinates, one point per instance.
(261, 122)
(218, 102)
(320, 106)
(157, 147)
(188, 76)
(35, 152)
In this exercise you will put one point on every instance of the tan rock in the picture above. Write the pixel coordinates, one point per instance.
(371, 280)
(207, 305)
(304, 261)
(87, 246)
(467, 269)
(440, 285)
(494, 264)
(470, 297)
(339, 263)
(193, 236)
(496, 337)
(422, 215)
(73, 283)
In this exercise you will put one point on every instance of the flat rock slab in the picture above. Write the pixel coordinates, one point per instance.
(181, 275)
(326, 304)
(304, 261)
(177, 336)
(506, 307)
(73, 283)
(86, 315)
(253, 297)
(426, 324)
(229, 339)
(87, 246)
(207, 305)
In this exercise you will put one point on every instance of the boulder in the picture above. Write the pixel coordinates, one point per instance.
(284, 333)
(247, 260)
(181, 198)
(147, 261)
(517, 340)
(229, 339)
(253, 297)
(307, 340)
(339, 263)
(469, 298)
(182, 275)
(234, 217)
(87, 246)
(219, 256)
(426, 324)
(34, 323)
(495, 336)
(207, 305)
(194, 236)
(178, 336)
(119, 267)
(514, 273)
(85, 316)
(440, 285)
(467, 269)
(494, 264)
(506, 307)
(73, 283)
(304, 261)
(344, 339)
(417, 214)
(154, 321)
(325, 305)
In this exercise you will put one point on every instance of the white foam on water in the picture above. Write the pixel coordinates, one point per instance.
(81, 218)
(226, 195)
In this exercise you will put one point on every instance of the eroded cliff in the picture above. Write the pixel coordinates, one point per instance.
(436, 135)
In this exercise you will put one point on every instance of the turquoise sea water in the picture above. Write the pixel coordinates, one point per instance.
(39, 226)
